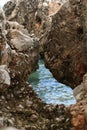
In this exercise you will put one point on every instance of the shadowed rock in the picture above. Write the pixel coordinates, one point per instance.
(63, 47)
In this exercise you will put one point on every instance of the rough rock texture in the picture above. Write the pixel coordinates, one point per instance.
(79, 115)
(80, 92)
(9, 128)
(22, 11)
(5, 79)
(20, 107)
(84, 25)
(63, 48)
(18, 53)
(35, 15)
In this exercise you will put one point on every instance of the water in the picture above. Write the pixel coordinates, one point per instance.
(48, 89)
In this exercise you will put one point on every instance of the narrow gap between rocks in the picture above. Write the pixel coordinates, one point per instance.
(48, 89)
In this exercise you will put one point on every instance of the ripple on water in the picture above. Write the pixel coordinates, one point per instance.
(48, 89)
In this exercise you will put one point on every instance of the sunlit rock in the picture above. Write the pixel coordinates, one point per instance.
(9, 128)
(4, 78)
(80, 92)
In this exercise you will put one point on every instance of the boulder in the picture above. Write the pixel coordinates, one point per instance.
(63, 52)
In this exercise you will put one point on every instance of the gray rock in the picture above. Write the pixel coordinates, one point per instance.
(5, 80)
(9, 128)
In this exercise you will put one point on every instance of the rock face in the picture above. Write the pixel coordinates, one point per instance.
(80, 92)
(22, 11)
(4, 78)
(32, 14)
(18, 53)
(63, 51)
(63, 33)
(19, 105)
(65, 55)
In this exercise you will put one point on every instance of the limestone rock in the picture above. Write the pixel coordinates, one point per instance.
(85, 82)
(2, 19)
(19, 105)
(80, 92)
(4, 78)
(22, 11)
(18, 51)
(63, 47)
(33, 14)
(9, 128)
(20, 41)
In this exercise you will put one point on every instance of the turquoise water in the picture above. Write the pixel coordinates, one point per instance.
(48, 89)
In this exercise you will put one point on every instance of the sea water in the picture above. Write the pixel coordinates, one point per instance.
(48, 89)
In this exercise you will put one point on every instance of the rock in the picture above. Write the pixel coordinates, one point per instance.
(19, 105)
(5, 80)
(25, 42)
(32, 14)
(22, 11)
(78, 121)
(80, 92)
(63, 47)
(4, 122)
(85, 82)
(9, 128)
(84, 25)
(2, 19)
(18, 51)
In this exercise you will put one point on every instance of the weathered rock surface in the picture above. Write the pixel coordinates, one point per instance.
(64, 55)
(18, 51)
(35, 15)
(80, 92)
(4, 78)
(20, 107)
(22, 11)
(9, 128)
